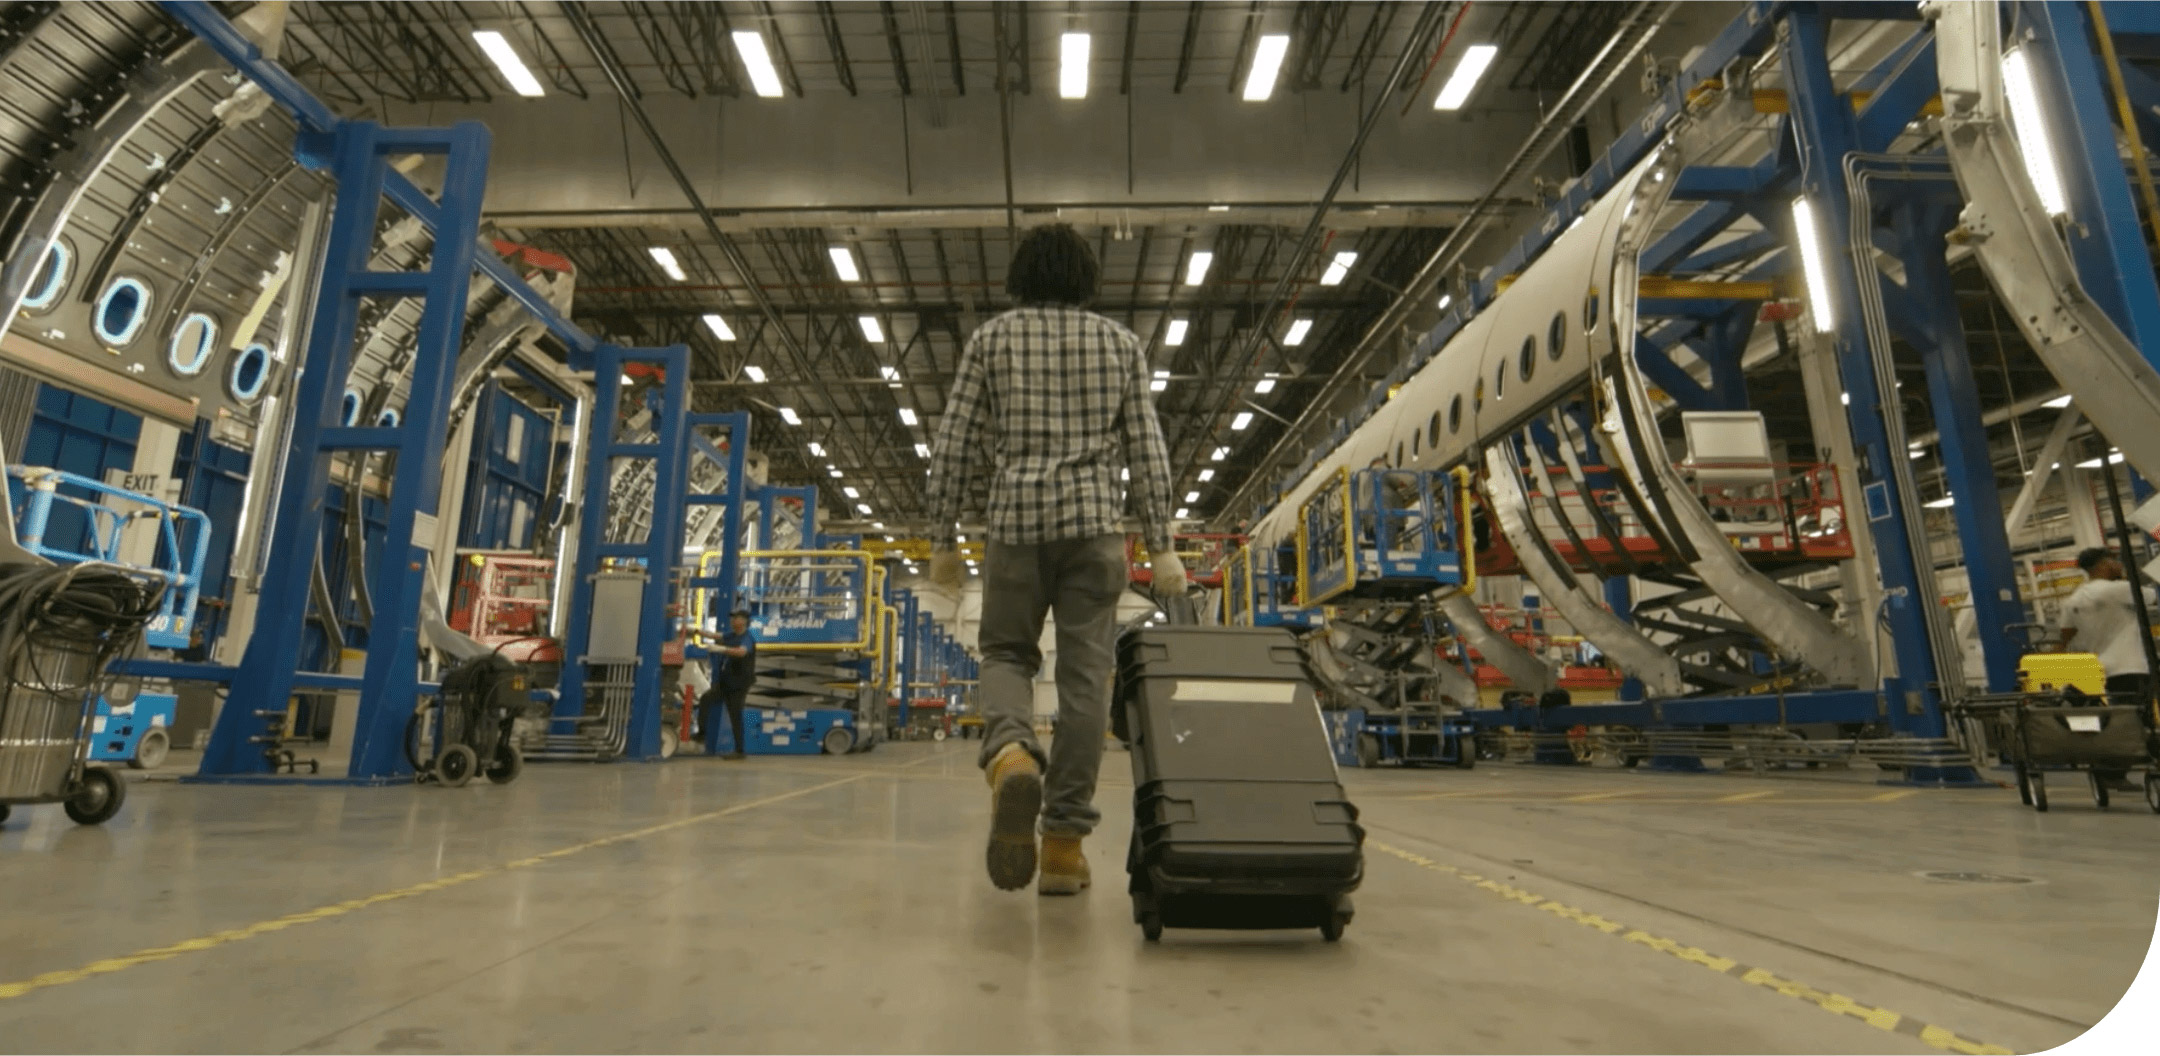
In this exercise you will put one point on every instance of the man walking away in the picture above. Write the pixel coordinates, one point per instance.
(734, 662)
(2101, 618)
(1052, 403)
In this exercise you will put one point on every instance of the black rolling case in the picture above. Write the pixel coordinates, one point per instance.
(1239, 818)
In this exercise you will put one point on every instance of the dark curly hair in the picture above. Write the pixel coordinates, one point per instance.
(1053, 265)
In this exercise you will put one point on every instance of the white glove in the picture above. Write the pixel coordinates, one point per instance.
(1169, 575)
(945, 568)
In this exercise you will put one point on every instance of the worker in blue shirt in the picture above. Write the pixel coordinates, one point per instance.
(734, 670)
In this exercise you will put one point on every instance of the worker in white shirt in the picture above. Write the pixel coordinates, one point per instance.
(2101, 618)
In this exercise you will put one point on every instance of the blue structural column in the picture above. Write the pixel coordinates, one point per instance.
(1823, 121)
(357, 154)
(1929, 309)
(656, 555)
(725, 580)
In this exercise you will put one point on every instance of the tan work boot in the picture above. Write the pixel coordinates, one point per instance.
(1064, 867)
(1015, 802)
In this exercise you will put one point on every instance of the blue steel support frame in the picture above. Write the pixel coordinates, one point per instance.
(1823, 119)
(732, 458)
(359, 154)
(661, 549)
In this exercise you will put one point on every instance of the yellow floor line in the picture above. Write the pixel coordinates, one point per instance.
(1879, 1018)
(1599, 797)
(264, 927)
(1742, 797)
(1892, 797)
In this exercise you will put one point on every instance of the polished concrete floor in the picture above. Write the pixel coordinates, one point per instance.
(839, 905)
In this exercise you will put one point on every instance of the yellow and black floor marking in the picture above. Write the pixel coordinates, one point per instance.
(1879, 1018)
(1638, 797)
(212, 941)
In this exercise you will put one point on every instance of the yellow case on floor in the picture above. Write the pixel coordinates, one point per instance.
(2048, 672)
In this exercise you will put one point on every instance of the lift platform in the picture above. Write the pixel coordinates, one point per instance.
(1383, 535)
(1260, 589)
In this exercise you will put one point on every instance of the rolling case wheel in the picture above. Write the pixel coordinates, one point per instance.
(5, 809)
(456, 766)
(1332, 928)
(98, 799)
(2039, 791)
(2152, 795)
(1151, 926)
(2024, 782)
(2099, 789)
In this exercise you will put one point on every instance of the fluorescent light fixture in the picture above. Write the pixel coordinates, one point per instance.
(1192, 496)
(750, 44)
(889, 373)
(1206, 475)
(665, 257)
(1183, 512)
(1475, 61)
(506, 60)
(788, 415)
(1125, 474)
(871, 331)
(971, 562)
(835, 471)
(1445, 300)
(718, 326)
(1298, 329)
(1161, 382)
(1917, 453)
(1072, 65)
(1218, 208)
(1196, 267)
(1263, 386)
(1267, 59)
(850, 492)
(1339, 268)
(2058, 403)
(1243, 419)
(2114, 458)
(1220, 454)
(1813, 262)
(974, 571)
(907, 416)
(754, 372)
(922, 450)
(628, 380)
(1943, 503)
(1174, 334)
(2032, 132)
(843, 263)
(864, 507)
(817, 449)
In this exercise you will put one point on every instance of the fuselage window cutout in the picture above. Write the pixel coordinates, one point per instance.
(1528, 361)
(1556, 338)
(1432, 432)
(349, 409)
(250, 373)
(388, 419)
(121, 311)
(1589, 311)
(192, 345)
(1454, 414)
(1397, 464)
(51, 279)
(1499, 380)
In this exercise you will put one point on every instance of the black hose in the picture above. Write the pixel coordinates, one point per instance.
(91, 610)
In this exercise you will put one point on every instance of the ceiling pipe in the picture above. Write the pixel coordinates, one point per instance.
(1619, 53)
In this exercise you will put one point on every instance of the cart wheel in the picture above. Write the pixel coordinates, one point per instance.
(1151, 925)
(2024, 781)
(4, 809)
(1465, 754)
(1368, 751)
(2039, 791)
(98, 799)
(670, 742)
(150, 752)
(456, 765)
(1332, 928)
(2152, 795)
(838, 740)
(2099, 789)
(508, 764)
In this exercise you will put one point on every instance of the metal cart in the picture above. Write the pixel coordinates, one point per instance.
(46, 703)
(2067, 732)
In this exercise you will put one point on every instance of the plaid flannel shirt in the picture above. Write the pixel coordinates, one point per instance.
(1053, 402)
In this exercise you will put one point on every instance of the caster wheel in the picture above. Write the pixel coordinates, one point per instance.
(1368, 751)
(456, 766)
(98, 799)
(2099, 790)
(2024, 783)
(1151, 926)
(670, 742)
(838, 740)
(2039, 791)
(1332, 929)
(4, 810)
(508, 764)
(2152, 795)
(150, 752)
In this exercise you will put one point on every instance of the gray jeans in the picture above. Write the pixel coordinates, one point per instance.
(1080, 580)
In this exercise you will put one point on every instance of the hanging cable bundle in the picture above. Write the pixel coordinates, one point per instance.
(89, 613)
